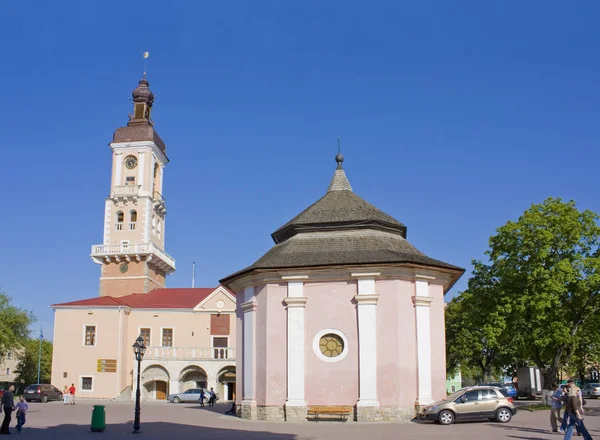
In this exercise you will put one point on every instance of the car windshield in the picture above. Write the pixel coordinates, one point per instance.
(454, 395)
(31, 388)
(504, 393)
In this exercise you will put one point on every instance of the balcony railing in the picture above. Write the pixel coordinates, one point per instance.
(100, 251)
(126, 190)
(190, 353)
(158, 197)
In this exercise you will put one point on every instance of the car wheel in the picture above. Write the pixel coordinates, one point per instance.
(446, 417)
(503, 415)
(176, 400)
(44, 399)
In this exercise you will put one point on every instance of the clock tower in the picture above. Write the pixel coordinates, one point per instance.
(132, 255)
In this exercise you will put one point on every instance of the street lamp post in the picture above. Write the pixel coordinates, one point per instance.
(138, 349)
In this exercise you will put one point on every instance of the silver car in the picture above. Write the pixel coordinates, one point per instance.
(189, 396)
(591, 390)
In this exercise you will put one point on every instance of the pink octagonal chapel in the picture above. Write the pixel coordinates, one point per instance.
(342, 311)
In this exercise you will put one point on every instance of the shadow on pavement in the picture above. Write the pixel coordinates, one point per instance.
(152, 430)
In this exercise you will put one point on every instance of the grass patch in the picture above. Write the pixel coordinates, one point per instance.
(537, 407)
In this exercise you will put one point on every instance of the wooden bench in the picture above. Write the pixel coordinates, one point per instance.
(341, 411)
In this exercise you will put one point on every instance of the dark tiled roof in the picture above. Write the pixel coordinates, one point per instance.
(139, 132)
(342, 229)
(343, 247)
(337, 207)
(178, 298)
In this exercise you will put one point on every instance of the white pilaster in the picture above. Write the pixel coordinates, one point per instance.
(118, 169)
(141, 170)
(147, 220)
(160, 179)
(225, 391)
(174, 386)
(295, 303)
(107, 211)
(249, 310)
(366, 301)
(422, 302)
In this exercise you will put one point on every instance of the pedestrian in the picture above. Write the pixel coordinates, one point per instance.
(66, 395)
(212, 397)
(574, 412)
(21, 408)
(231, 411)
(556, 406)
(7, 405)
(571, 390)
(72, 394)
(202, 397)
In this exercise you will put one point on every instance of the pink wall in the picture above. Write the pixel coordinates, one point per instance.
(239, 389)
(438, 342)
(396, 343)
(260, 353)
(276, 342)
(330, 305)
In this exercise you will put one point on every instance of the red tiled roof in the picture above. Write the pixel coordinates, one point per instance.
(175, 298)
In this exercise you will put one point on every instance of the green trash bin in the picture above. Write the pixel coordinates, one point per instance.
(98, 419)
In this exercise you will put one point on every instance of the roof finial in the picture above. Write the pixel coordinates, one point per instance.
(146, 55)
(339, 158)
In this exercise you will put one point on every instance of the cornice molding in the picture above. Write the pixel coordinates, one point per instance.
(366, 299)
(295, 301)
(422, 301)
(139, 146)
(249, 306)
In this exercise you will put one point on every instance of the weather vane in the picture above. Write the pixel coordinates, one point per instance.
(338, 145)
(146, 55)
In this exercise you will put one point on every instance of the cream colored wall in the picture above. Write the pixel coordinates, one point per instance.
(9, 363)
(70, 355)
(183, 323)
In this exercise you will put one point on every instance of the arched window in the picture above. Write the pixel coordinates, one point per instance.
(133, 221)
(120, 217)
(155, 184)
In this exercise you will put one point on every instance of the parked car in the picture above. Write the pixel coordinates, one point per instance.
(42, 393)
(480, 402)
(591, 390)
(191, 395)
(508, 387)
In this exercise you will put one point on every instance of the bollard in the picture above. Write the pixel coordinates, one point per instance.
(98, 419)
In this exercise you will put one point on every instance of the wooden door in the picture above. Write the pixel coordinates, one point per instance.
(161, 390)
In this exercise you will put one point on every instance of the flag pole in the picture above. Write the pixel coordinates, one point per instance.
(193, 274)
(40, 355)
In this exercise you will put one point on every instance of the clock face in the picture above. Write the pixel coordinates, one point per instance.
(131, 162)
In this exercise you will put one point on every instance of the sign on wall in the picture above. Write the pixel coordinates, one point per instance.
(107, 365)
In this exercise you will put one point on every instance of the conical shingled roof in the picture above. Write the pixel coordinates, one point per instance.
(342, 229)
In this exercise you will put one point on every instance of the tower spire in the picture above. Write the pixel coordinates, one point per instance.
(339, 182)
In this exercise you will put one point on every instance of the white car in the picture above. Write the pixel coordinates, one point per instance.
(189, 396)
(591, 390)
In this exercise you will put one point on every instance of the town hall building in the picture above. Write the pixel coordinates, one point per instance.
(190, 333)
(343, 310)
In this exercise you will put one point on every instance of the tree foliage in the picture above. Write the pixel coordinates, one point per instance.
(14, 326)
(537, 297)
(27, 368)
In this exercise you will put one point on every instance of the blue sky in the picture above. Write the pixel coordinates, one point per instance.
(454, 117)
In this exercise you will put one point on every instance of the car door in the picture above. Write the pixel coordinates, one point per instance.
(488, 403)
(192, 395)
(467, 405)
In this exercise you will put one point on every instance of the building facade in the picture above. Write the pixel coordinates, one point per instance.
(190, 333)
(362, 309)
(8, 366)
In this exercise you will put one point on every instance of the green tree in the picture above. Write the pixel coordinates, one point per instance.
(27, 368)
(14, 326)
(544, 271)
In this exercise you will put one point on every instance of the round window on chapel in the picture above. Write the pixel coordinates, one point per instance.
(331, 345)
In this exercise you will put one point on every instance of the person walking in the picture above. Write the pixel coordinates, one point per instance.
(571, 390)
(66, 395)
(212, 397)
(21, 409)
(202, 397)
(7, 405)
(574, 411)
(72, 394)
(556, 407)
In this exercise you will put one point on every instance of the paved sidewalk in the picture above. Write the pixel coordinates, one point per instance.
(162, 420)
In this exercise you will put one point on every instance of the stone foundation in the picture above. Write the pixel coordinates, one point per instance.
(295, 413)
(249, 411)
(264, 412)
(384, 414)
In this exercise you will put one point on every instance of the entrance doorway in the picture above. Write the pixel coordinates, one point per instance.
(231, 391)
(161, 390)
